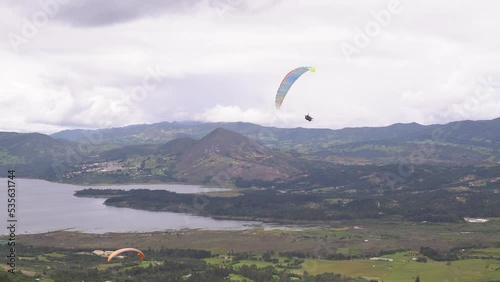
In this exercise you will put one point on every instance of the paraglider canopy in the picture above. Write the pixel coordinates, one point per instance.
(288, 81)
(119, 251)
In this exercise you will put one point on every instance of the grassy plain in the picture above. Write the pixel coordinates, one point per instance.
(350, 237)
(402, 268)
(481, 243)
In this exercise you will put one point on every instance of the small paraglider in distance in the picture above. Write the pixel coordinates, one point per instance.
(119, 251)
(287, 83)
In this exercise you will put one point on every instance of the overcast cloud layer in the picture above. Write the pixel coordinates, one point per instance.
(93, 64)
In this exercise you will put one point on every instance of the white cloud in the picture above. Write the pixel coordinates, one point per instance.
(424, 66)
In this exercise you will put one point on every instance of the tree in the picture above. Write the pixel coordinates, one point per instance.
(421, 259)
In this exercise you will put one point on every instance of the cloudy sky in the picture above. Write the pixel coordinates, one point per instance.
(93, 64)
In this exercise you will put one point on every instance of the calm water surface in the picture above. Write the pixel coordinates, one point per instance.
(43, 206)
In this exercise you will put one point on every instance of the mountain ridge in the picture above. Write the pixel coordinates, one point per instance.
(270, 135)
(221, 154)
(457, 143)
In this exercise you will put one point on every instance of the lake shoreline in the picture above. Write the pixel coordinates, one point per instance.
(45, 206)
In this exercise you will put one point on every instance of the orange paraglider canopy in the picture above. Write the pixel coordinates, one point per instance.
(119, 251)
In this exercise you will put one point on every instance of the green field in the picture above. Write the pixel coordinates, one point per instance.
(402, 268)
(478, 246)
(486, 253)
(237, 277)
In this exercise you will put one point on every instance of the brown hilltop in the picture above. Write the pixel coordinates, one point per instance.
(224, 154)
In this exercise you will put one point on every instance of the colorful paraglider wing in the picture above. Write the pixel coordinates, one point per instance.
(288, 81)
(117, 252)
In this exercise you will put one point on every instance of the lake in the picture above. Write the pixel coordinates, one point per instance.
(43, 206)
